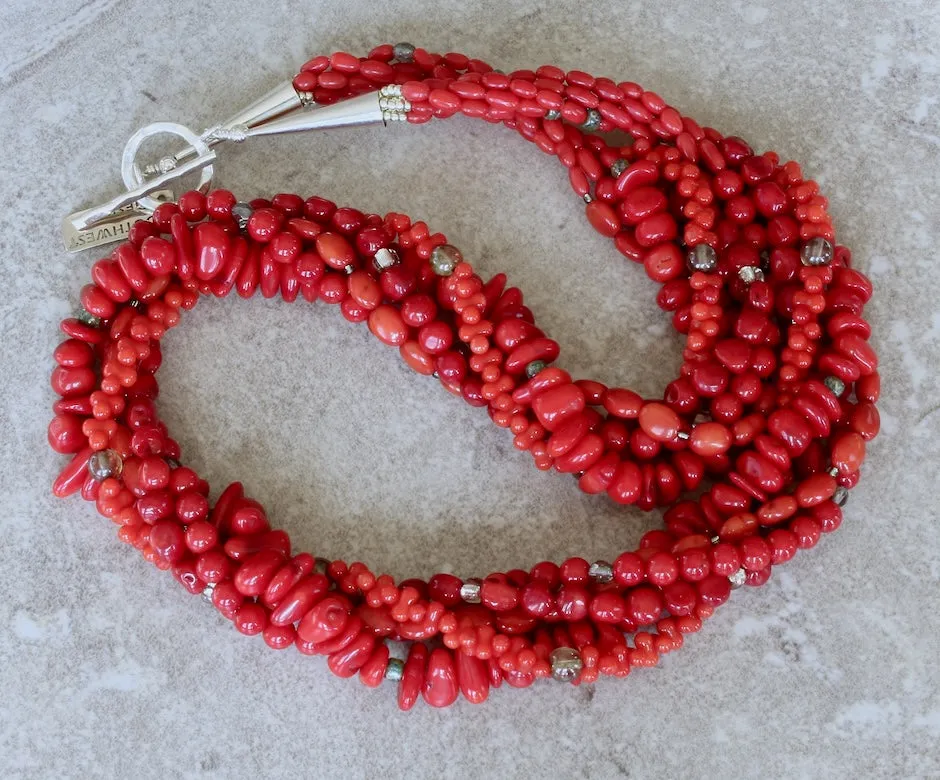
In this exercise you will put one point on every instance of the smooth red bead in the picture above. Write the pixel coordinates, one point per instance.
(211, 245)
(324, 621)
(335, 250)
(556, 405)
(386, 324)
(473, 678)
(608, 607)
(255, 573)
(498, 596)
(440, 684)
(641, 203)
(644, 604)
(65, 434)
(602, 218)
(659, 422)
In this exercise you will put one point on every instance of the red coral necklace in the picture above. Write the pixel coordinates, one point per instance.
(767, 423)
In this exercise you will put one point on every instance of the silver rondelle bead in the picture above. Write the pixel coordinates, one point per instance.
(104, 464)
(601, 571)
(551, 115)
(750, 274)
(86, 318)
(835, 384)
(683, 435)
(208, 591)
(241, 213)
(470, 591)
(618, 166)
(738, 579)
(841, 496)
(444, 259)
(702, 258)
(395, 669)
(403, 52)
(833, 472)
(385, 258)
(535, 367)
(816, 251)
(566, 664)
(587, 197)
(593, 120)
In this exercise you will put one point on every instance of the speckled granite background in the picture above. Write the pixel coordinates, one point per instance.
(108, 669)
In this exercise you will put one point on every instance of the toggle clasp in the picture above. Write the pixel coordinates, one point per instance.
(273, 114)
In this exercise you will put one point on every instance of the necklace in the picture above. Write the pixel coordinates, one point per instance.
(752, 448)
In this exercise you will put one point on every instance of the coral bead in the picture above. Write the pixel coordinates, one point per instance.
(440, 685)
(602, 218)
(659, 422)
(558, 404)
(710, 439)
(644, 605)
(324, 621)
(335, 250)
(386, 324)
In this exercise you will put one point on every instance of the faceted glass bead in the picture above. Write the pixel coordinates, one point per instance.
(702, 258)
(816, 251)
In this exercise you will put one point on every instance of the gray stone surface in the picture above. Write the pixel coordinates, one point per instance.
(108, 669)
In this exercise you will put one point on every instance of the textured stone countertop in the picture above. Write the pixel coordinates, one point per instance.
(109, 669)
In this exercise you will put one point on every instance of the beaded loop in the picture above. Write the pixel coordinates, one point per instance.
(766, 425)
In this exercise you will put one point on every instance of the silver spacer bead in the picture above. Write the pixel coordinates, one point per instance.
(241, 213)
(587, 197)
(403, 52)
(444, 259)
(566, 664)
(715, 539)
(593, 120)
(470, 591)
(395, 669)
(306, 98)
(618, 166)
(601, 571)
(683, 435)
(750, 274)
(738, 579)
(841, 496)
(104, 464)
(833, 472)
(385, 258)
(816, 251)
(765, 261)
(702, 257)
(535, 367)
(208, 591)
(552, 115)
(349, 269)
(86, 318)
(835, 384)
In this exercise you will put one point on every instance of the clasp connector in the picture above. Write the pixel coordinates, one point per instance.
(266, 116)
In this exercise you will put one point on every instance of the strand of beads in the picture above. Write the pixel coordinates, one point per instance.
(767, 421)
